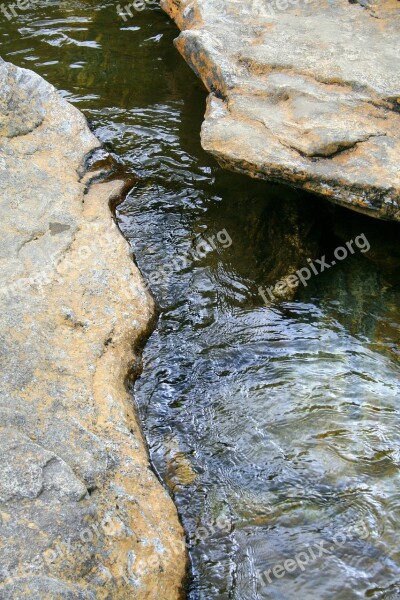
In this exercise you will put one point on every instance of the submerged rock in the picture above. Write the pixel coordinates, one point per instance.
(82, 515)
(301, 91)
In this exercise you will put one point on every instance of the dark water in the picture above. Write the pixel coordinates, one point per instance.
(276, 428)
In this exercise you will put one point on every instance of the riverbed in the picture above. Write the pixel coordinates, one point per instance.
(275, 424)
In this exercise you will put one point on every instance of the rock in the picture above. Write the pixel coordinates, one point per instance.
(82, 515)
(301, 91)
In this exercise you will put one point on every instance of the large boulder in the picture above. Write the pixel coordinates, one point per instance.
(82, 515)
(302, 91)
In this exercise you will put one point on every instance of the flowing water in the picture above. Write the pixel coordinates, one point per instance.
(275, 426)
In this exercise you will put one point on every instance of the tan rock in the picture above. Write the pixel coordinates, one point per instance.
(301, 91)
(82, 515)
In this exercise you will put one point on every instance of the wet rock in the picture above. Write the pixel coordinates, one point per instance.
(306, 92)
(81, 513)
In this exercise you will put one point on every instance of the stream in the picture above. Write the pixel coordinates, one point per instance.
(274, 425)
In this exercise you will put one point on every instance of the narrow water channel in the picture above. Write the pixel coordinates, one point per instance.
(275, 427)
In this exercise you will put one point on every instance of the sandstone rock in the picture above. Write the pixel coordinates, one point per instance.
(81, 513)
(301, 91)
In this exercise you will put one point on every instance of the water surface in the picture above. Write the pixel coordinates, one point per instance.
(279, 422)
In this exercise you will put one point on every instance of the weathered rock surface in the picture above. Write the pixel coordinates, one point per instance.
(81, 513)
(302, 91)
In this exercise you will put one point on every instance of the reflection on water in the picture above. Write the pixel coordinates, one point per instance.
(282, 420)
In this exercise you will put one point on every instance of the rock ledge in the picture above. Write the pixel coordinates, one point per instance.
(303, 91)
(81, 513)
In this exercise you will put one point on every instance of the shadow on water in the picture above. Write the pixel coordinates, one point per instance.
(275, 427)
